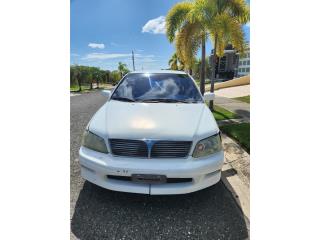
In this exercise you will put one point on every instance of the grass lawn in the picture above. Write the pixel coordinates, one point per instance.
(240, 133)
(86, 88)
(222, 114)
(244, 99)
(76, 88)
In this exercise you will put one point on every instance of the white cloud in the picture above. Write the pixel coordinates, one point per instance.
(96, 45)
(95, 56)
(155, 26)
(110, 60)
(138, 55)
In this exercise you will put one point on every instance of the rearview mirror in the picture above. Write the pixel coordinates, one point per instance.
(208, 96)
(106, 93)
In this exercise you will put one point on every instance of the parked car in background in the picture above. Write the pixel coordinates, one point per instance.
(154, 135)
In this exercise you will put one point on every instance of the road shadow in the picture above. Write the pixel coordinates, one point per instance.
(211, 213)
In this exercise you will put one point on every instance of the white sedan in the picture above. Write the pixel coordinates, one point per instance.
(154, 135)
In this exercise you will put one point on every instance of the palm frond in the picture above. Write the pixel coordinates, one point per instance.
(173, 62)
(188, 41)
(176, 17)
(227, 29)
(239, 9)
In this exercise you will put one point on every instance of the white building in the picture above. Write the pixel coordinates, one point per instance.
(243, 64)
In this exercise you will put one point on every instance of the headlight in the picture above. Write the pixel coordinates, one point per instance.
(94, 142)
(208, 146)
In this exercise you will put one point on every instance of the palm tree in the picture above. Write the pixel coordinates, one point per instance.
(224, 19)
(122, 68)
(173, 62)
(188, 31)
(189, 24)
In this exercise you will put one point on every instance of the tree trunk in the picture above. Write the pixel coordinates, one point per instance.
(97, 83)
(190, 71)
(213, 73)
(203, 64)
(79, 83)
(91, 85)
(108, 78)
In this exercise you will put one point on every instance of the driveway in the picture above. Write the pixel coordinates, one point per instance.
(97, 213)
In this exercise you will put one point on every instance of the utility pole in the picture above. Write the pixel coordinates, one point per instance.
(134, 68)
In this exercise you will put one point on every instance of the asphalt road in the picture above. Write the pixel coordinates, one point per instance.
(97, 213)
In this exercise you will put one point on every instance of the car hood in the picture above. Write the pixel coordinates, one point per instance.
(169, 121)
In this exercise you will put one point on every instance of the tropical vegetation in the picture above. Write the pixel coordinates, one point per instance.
(85, 76)
(173, 62)
(123, 69)
(196, 68)
(190, 23)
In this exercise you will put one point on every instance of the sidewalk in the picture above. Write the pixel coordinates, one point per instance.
(238, 107)
(233, 92)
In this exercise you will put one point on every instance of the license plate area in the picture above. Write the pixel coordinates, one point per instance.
(149, 178)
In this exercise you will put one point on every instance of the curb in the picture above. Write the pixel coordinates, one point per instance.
(239, 188)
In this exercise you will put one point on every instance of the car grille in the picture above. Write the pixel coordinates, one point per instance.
(129, 148)
(170, 149)
(159, 149)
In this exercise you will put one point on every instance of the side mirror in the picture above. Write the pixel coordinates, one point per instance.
(106, 93)
(208, 96)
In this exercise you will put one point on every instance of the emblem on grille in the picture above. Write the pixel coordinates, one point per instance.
(150, 144)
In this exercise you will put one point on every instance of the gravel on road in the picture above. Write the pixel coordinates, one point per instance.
(97, 213)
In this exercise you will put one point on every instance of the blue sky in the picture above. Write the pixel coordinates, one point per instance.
(104, 32)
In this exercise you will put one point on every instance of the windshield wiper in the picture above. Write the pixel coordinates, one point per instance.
(123, 99)
(166, 100)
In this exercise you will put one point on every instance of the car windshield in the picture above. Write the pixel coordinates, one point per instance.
(157, 87)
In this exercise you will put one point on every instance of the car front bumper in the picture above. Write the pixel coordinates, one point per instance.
(204, 172)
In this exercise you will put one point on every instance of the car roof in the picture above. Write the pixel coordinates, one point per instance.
(160, 71)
